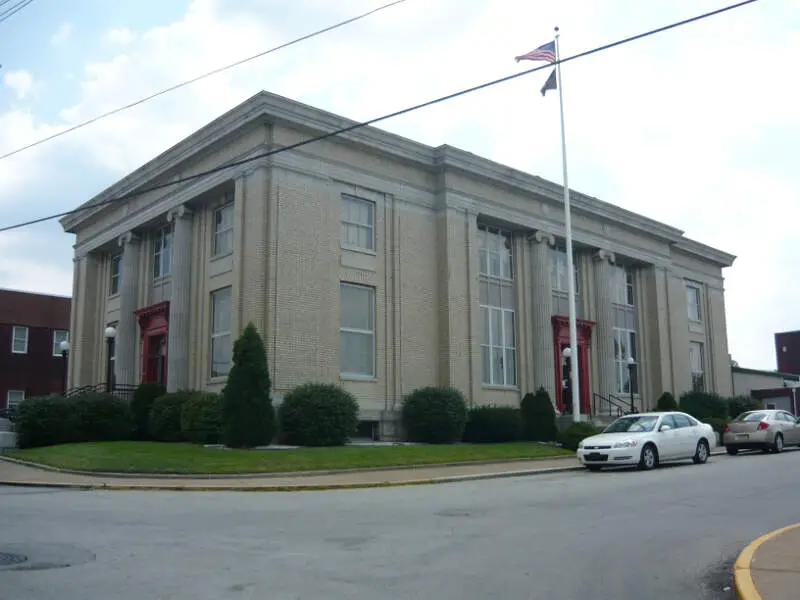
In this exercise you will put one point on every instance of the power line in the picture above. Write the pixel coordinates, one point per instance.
(203, 76)
(377, 119)
(10, 12)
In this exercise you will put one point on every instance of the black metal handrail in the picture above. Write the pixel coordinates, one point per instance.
(121, 391)
(629, 408)
(610, 405)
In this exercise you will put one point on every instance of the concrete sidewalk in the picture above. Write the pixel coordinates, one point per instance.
(15, 473)
(769, 568)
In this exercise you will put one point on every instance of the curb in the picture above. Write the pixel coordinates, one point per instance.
(285, 488)
(742, 578)
(273, 475)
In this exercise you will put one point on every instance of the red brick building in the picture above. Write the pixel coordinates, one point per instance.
(32, 327)
(787, 349)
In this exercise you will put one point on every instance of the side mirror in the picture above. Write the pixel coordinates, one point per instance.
(664, 428)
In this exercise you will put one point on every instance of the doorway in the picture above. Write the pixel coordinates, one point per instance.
(155, 354)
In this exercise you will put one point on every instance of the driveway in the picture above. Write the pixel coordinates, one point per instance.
(670, 533)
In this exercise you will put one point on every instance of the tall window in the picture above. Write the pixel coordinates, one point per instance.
(19, 340)
(498, 344)
(697, 365)
(625, 348)
(221, 347)
(693, 303)
(115, 277)
(358, 223)
(223, 230)
(14, 398)
(162, 253)
(58, 337)
(357, 330)
(558, 271)
(622, 286)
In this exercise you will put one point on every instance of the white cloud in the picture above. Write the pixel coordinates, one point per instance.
(62, 35)
(677, 126)
(20, 270)
(21, 82)
(119, 36)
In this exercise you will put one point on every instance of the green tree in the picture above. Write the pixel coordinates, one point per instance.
(248, 418)
(538, 417)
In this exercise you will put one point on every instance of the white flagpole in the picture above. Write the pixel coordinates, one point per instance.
(573, 326)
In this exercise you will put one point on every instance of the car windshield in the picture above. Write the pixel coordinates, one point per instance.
(752, 416)
(632, 424)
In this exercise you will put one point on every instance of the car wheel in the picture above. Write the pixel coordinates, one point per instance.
(649, 458)
(733, 451)
(777, 445)
(594, 468)
(701, 454)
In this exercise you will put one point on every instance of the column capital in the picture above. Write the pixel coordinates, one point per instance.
(178, 212)
(542, 237)
(127, 238)
(605, 255)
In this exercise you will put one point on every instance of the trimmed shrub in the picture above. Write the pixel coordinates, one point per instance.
(201, 418)
(493, 424)
(434, 415)
(46, 421)
(142, 402)
(575, 433)
(165, 417)
(666, 402)
(248, 417)
(102, 418)
(704, 405)
(317, 414)
(740, 404)
(538, 417)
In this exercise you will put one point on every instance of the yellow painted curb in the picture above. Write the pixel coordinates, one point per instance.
(742, 578)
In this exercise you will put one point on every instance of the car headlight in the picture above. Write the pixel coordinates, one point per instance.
(625, 444)
(580, 445)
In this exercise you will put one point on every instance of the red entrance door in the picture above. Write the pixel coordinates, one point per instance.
(560, 342)
(154, 327)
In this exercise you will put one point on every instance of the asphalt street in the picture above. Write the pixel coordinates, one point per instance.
(670, 533)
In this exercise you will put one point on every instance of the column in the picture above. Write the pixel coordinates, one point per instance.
(126, 342)
(541, 312)
(180, 300)
(603, 343)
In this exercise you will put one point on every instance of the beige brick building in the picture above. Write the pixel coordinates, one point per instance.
(382, 264)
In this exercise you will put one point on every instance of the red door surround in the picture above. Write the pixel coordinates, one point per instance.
(154, 329)
(561, 340)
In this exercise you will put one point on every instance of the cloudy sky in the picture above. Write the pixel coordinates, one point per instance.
(696, 127)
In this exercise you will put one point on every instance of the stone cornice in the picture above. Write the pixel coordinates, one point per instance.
(269, 108)
(705, 253)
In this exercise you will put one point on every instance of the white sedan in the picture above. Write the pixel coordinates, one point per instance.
(647, 439)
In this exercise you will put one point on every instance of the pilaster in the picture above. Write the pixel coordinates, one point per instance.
(603, 343)
(127, 329)
(541, 336)
(180, 301)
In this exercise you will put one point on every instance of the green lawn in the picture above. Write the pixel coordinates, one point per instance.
(153, 457)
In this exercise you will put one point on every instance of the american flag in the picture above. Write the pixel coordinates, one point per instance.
(545, 52)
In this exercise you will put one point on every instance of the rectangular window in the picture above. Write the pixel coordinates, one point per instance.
(19, 340)
(697, 365)
(162, 252)
(115, 278)
(627, 379)
(58, 337)
(693, 303)
(357, 223)
(14, 398)
(357, 330)
(494, 253)
(558, 272)
(496, 292)
(223, 230)
(623, 286)
(221, 346)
